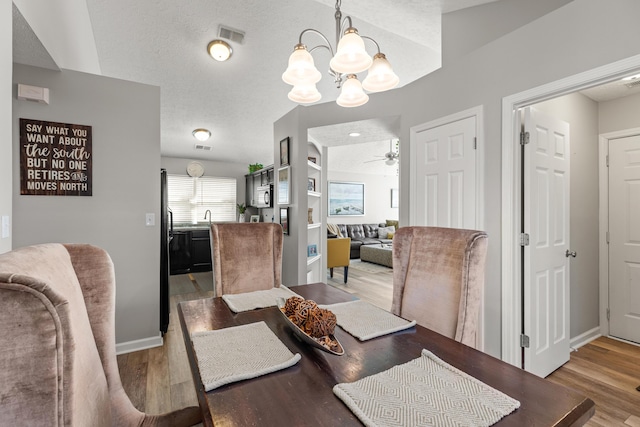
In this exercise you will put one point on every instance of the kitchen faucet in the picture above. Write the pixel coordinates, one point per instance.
(205, 216)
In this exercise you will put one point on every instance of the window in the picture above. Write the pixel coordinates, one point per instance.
(189, 198)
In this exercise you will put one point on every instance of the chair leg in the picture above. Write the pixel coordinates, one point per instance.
(331, 272)
(346, 274)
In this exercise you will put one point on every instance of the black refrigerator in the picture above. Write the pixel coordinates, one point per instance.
(166, 229)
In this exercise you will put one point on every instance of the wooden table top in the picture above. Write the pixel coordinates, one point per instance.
(303, 395)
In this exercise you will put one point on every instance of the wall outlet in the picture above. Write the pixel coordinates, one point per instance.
(6, 226)
(150, 220)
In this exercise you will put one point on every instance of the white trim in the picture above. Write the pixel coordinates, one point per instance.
(511, 312)
(137, 345)
(585, 338)
(603, 212)
(478, 113)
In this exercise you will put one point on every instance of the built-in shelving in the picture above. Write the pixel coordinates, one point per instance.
(312, 259)
(316, 225)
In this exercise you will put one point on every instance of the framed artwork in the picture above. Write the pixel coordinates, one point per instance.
(284, 220)
(255, 218)
(284, 186)
(312, 250)
(311, 184)
(346, 198)
(312, 159)
(284, 152)
(394, 198)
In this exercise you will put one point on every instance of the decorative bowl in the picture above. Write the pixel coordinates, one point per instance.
(303, 336)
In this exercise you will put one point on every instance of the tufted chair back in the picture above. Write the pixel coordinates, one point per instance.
(438, 275)
(246, 257)
(58, 362)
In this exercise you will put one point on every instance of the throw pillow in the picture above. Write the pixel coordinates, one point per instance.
(390, 235)
(395, 223)
(383, 232)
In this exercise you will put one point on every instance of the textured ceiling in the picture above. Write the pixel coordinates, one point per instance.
(163, 43)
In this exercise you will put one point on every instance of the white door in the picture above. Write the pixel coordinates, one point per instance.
(624, 238)
(445, 175)
(546, 265)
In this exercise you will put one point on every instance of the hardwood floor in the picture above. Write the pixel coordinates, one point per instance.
(159, 379)
(608, 372)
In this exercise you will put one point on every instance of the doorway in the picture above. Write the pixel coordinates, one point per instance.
(513, 298)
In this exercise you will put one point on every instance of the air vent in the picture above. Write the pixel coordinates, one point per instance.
(634, 83)
(231, 34)
(203, 147)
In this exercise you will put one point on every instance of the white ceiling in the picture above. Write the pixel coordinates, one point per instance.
(163, 43)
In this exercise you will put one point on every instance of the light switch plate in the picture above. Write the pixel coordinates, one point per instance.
(150, 220)
(6, 226)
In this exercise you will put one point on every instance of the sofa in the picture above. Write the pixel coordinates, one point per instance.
(363, 234)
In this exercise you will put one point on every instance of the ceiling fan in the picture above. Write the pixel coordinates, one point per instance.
(390, 158)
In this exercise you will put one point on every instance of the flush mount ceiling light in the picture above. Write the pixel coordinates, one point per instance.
(349, 59)
(201, 134)
(219, 50)
(354, 134)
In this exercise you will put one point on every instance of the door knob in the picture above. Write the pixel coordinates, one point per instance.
(570, 253)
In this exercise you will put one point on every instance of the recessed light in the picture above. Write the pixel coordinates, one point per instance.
(634, 77)
(219, 50)
(201, 134)
(354, 134)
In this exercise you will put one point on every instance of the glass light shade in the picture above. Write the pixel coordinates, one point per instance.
(201, 134)
(304, 94)
(219, 50)
(352, 94)
(301, 69)
(351, 57)
(380, 76)
(390, 162)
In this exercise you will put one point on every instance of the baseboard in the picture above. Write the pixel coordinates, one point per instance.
(585, 338)
(137, 345)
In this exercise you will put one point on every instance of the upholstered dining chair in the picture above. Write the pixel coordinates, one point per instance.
(246, 257)
(57, 342)
(438, 276)
(338, 250)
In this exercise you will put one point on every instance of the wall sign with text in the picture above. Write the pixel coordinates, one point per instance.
(55, 159)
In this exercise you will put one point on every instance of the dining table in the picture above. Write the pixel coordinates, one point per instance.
(302, 395)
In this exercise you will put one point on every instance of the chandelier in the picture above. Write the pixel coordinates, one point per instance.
(350, 58)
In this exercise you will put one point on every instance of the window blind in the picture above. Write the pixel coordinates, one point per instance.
(190, 197)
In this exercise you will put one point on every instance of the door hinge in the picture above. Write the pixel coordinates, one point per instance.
(524, 341)
(524, 239)
(524, 138)
(608, 314)
(607, 160)
(475, 143)
(607, 237)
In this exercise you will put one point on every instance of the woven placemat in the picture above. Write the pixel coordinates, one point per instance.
(425, 392)
(257, 299)
(239, 353)
(366, 321)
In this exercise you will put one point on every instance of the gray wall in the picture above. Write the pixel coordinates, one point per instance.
(619, 114)
(5, 116)
(465, 30)
(525, 58)
(125, 120)
(582, 115)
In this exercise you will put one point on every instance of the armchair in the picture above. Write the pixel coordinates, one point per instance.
(338, 255)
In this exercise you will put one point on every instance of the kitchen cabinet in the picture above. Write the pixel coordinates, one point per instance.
(261, 177)
(189, 252)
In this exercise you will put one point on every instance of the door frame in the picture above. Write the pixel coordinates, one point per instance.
(511, 172)
(603, 211)
(478, 113)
